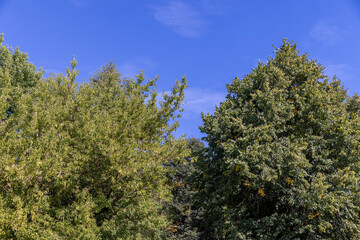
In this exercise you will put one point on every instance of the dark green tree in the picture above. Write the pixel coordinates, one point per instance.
(86, 161)
(184, 212)
(283, 155)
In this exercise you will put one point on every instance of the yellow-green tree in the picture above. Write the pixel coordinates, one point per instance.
(85, 161)
(17, 75)
(283, 155)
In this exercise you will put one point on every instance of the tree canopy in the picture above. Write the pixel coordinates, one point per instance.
(17, 75)
(282, 160)
(98, 160)
(84, 161)
(185, 213)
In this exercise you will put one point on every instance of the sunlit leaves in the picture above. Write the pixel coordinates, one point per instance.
(283, 155)
(83, 161)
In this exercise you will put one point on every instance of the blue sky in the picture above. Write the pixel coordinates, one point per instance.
(209, 41)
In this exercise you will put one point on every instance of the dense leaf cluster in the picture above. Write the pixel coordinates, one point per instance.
(97, 160)
(185, 213)
(283, 155)
(83, 161)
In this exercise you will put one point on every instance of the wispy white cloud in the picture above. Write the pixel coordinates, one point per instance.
(132, 67)
(336, 69)
(180, 17)
(342, 71)
(214, 7)
(79, 3)
(201, 101)
(49, 71)
(328, 33)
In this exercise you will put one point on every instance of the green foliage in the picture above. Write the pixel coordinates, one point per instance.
(84, 162)
(98, 160)
(17, 75)
(183, 210)
(283, 155)
(353, 104)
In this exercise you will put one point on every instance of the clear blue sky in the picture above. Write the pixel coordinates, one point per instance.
(209, 41)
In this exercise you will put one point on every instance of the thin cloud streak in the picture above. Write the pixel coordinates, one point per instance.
(328, 33)
(336, 69)
(134, 66)
(341, 71)
(214, 7)
(180, 17)
(79, 3)
(201, 101)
